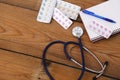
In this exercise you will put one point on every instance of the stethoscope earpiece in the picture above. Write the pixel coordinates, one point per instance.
(104, 66)
(106, 63)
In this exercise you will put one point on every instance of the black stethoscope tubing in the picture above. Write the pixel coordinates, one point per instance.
(66, 54)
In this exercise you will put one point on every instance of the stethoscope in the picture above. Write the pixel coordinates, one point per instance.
(77, 32)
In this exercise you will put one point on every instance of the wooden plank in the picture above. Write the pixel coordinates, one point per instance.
(18, 67)
(30, 4)
(35, 4)
(19, 31)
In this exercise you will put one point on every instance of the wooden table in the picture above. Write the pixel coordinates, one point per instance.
(22, 40)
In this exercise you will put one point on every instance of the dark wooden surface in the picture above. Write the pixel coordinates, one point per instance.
(21, 34)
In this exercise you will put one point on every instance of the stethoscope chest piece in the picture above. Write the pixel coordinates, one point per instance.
(77, 31)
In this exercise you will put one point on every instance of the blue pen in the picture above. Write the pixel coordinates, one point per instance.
(98, 16)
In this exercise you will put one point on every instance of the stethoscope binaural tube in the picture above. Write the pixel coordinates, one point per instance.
(82, 54)
(99, 72)
(77, 32)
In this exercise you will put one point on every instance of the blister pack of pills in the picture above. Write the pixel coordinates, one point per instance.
(70, 10)
(60, 18)
(46, 11)
(102, 30)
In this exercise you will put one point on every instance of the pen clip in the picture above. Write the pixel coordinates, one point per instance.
(88, 12)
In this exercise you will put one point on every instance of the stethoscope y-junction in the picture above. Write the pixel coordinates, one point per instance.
(77, 32)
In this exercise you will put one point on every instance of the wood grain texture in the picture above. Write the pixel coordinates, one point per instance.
(18, 67)
(29, 4)
(19, 31)
(35, 4)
